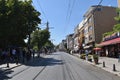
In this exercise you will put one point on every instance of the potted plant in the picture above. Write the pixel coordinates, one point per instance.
(90, 58)
(95, 57)
(82, 56)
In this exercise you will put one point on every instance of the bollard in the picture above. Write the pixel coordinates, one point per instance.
(103, 64)
(7, 64)
(114, 68)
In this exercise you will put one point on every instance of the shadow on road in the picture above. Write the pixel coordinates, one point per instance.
(3, 74)
(44, 62)
(37, 61)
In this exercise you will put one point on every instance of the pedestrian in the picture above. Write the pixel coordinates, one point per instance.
(23, 55)
(7, 56)
(0, 55)
(86, 52)
(33, 53)
(38, 53)
(46, 51)
(17, 55)
(14, 54)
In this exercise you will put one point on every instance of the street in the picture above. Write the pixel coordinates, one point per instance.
(57, 66)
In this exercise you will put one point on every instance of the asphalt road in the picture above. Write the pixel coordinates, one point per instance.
(57, 66)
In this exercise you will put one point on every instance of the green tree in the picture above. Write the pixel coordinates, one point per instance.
(18, 19)
(40, 37)
(116, 27)
(49, 44)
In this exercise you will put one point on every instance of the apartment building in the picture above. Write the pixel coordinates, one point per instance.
(70, 41)
(97, 20)
(62, 45)
(75, 39)
(81, 34)
(118, 3)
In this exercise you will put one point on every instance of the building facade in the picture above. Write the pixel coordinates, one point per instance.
(70, 42)
(75, 39)
(118, 3)
(97, 20)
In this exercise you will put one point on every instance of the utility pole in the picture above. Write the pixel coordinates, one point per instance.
(47, 25)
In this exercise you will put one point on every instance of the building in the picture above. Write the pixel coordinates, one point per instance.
(118, 3)
(70, 42)
(75, 39)
(62, 45)
(97, 20)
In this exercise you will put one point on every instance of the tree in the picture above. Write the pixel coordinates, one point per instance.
(40, 37)
(49, 45)
(116, 27)
(18, 19)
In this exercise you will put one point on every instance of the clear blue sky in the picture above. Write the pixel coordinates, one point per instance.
(64, 15)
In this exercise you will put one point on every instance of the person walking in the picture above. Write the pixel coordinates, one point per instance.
(14, 54)
(23, 55)
(86, 52)
(7, 57)
(33, 53)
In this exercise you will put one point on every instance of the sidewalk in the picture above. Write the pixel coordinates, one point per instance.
(108, 64)
(4, 67)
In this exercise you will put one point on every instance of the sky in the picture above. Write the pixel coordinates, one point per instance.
(64, 15)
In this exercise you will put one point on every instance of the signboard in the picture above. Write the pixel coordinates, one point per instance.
(113, 36)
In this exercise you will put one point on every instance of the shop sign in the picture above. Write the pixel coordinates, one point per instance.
(113, 36)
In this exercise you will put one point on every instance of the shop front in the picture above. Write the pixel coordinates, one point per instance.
(89, 48)
(110, 48)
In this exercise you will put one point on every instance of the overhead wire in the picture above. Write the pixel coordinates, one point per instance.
(100, 2)
(68, 9)
(42, 9)
(67, 15)
(71, 4)
(71, 10)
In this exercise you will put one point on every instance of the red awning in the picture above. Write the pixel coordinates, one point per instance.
(110, 42)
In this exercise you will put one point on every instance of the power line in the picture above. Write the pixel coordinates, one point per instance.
(68, 9)
(98, 5)
(100, 2)
(39, 5)
(42, 9)
(71, 4)
(71, 10)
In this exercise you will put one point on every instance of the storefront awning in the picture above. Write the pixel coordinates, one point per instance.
(110, 42)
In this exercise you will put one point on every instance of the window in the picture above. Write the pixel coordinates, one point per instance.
(99, 8)
(85, 31)
(90, 28)
(90, 20)
(90, 37)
